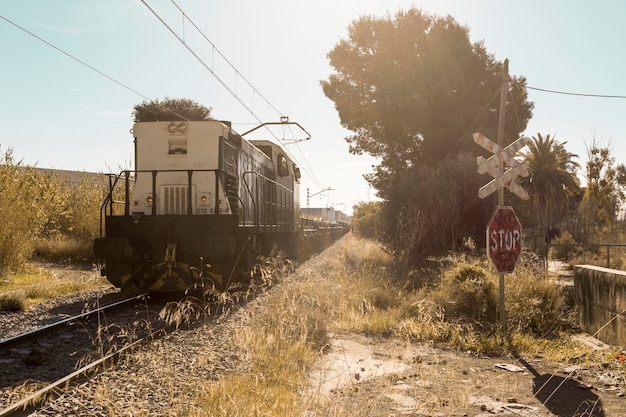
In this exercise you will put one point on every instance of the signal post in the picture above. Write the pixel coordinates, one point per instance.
(504, 230)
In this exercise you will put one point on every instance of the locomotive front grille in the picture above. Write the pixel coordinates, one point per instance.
(175, 199)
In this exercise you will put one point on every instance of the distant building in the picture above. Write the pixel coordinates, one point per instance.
(325, 214)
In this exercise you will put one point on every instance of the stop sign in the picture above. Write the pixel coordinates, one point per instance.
(504, 239)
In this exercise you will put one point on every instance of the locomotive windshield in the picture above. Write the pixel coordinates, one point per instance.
(283, 167)
(177, 147)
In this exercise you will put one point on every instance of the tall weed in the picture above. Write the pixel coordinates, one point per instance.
(534, 304)
(22, 211)
(40, 211)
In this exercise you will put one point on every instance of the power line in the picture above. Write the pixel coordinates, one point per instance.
(121, 84)
(181, 39)
(574, 94)
(204, 64)
(237, 73)
(73, 57)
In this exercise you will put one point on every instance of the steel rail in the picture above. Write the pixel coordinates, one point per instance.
(34, 334)
(28, 405)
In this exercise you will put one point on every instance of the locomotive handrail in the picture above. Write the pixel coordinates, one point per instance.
(109, 201)
(219, 173)
(281, 199)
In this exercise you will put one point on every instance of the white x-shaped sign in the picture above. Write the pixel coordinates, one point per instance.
(491, 166)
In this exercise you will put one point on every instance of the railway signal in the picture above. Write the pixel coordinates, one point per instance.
(492, 165)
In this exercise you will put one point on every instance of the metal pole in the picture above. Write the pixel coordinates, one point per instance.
(501, 120)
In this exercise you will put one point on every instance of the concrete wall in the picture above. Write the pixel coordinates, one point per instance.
(600, 297)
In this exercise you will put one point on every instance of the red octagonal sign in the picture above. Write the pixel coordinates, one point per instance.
(504, 239)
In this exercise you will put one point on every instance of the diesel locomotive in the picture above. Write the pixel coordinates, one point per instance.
(202, 203)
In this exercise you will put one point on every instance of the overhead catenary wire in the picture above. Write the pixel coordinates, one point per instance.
(199, 59)
(127, 87)
(80, 61)
(181, 39)
(545, 90)
(239, 75)
(73, 57)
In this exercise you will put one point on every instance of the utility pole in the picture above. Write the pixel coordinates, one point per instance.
(501, 120)
(308, 197)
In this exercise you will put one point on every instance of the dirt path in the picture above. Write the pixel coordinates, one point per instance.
(390, 379)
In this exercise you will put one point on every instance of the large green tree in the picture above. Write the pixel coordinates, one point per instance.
(413, 89)
(552, 183)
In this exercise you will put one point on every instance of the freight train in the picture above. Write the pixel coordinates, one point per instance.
(201, 204)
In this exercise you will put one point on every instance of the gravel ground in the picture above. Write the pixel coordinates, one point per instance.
(161, 380)
(38, 315)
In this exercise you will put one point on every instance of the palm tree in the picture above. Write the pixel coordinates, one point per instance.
(552, 180)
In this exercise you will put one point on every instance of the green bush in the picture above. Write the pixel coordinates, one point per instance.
(564, 246)
(367, 220)
(467, 292)
(534, 305)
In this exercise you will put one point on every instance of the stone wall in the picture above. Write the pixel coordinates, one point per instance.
(601, 300)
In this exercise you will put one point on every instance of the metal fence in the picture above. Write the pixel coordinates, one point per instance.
(603, 251)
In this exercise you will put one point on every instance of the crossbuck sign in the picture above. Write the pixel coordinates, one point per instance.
(491, 166)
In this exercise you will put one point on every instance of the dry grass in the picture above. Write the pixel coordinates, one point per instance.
(348, 291)
(261, 364)
(37, 284)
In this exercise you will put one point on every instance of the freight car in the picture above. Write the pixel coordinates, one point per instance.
(201, 204)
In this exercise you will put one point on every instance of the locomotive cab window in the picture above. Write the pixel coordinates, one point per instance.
(283, 166)
(296, 173)
(177, 147)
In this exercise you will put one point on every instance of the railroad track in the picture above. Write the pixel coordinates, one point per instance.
(50, 328)
(38, 396)
(28, 405)
(50, 355)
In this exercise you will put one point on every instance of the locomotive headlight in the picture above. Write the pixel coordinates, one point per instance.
(204, 198)
(177, 128)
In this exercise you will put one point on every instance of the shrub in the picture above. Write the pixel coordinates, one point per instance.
(467, 292)
(13, 301)
(534, 304)
(367, 220)
(39, 205)
(73, 207)
(564, 246)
